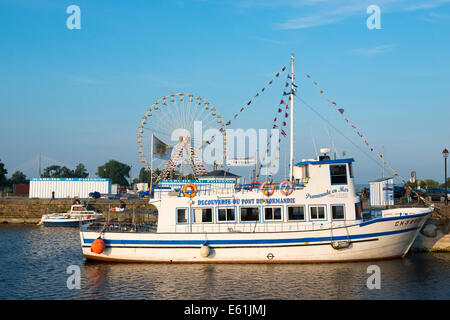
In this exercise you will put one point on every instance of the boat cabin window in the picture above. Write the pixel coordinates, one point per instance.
(272, 213)
(337, 212)
(226, 214)
(338, 174)
(296, 213)
(181, 215)
(317, 212)
(203, 215)
(249, 213)
(350, 169)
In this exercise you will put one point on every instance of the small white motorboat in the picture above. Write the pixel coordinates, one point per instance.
(76, 216)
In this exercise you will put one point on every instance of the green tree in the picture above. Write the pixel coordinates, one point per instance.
(144, 175)
(430, 183)
(64, 172)
(3, 172)
(18, 177)
(116, 171)
(80, 171)
(448, 184)
(52, 172)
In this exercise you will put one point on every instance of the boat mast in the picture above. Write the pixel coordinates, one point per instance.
(291, 97)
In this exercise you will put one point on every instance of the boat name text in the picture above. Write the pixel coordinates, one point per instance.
(326, 193)
(244, 201)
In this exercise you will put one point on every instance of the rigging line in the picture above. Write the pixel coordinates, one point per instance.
(330, 124)
(331, 141)
(276, 115)
(314, 142)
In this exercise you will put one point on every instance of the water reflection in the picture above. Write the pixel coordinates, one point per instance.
(34, 261)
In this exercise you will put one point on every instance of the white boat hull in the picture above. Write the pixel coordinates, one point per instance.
(383, 238)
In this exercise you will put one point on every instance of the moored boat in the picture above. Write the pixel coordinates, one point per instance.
(314, 216)
(76, 216)
(317, 221)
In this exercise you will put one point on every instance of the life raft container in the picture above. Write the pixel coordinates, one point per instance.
(286, 188)
(192, 190)
(267, 188)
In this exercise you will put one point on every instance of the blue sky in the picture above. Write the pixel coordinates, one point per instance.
(78, 95)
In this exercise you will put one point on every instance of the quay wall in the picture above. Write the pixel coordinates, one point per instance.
(25, 210)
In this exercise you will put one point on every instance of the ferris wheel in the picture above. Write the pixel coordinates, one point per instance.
(174, 120)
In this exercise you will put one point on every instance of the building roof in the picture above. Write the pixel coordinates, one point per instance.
(220, 174)
(349, 160)
(381, 179)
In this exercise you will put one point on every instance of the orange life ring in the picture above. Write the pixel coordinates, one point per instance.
(267, 191)
(192, 190)
(254, 183)
(290, 188)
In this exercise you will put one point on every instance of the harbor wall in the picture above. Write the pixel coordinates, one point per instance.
(434, 236)
(24, 210)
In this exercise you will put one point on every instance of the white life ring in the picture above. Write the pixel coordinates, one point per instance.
(290, 188)
(266, 190)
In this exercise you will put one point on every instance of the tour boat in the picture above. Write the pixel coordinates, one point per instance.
(314, 216)
(315, 221)
(76, 216)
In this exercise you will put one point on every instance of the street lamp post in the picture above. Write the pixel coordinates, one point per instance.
(445, 154)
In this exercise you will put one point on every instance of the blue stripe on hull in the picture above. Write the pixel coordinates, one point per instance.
(249, 241)
(65, 223)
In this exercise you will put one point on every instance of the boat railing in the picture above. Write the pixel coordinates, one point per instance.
(257, 227)
(120, 227)
(218, 189)
(219, 227)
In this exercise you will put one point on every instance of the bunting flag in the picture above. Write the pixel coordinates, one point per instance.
(222, 129)
(341, 111)
(256, 95)
(278, 122)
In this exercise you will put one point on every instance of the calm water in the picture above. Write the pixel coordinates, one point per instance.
(33, 263)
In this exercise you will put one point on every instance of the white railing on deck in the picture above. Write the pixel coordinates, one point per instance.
(258, 227)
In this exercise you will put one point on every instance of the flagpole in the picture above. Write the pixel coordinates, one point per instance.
(151, 166)
(291, 96)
